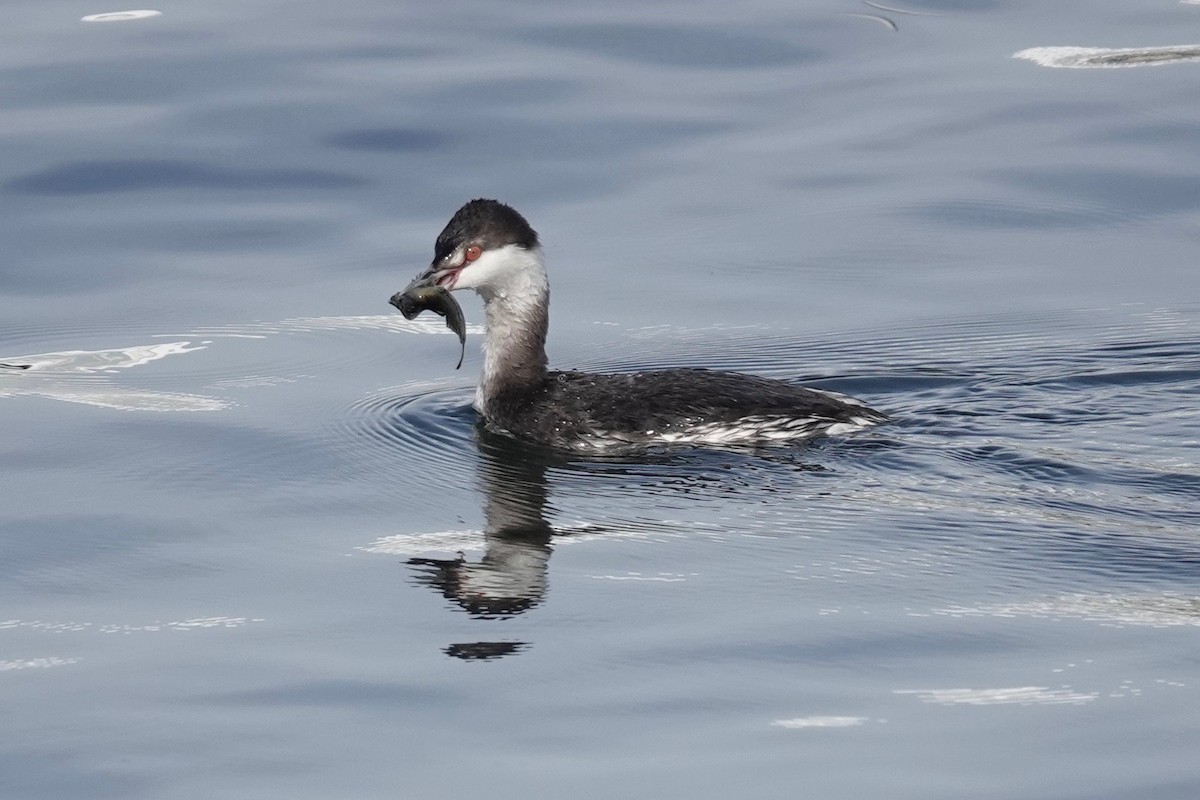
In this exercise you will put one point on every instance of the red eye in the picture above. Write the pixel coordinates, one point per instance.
(473, 252)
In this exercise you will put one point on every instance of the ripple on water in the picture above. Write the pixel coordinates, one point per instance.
(419, 435)
(85, 376)
(426, 424)
(1002, 425)
(330, 345)
(231, 358)
(1032, 424)
(1165, 610)
(1062, 434)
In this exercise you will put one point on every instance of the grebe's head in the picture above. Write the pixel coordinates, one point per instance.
(487, 246)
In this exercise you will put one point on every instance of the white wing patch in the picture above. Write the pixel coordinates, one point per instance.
(745, 431)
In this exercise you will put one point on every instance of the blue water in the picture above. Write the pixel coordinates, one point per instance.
(254, 545)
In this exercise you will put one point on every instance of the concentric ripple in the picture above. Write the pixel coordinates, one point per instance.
(427, 425)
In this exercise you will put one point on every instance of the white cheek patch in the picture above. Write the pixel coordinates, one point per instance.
(504, 271)
(480, 272)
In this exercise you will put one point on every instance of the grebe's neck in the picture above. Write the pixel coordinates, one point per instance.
(516, 317)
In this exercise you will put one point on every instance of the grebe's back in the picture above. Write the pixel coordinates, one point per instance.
(489, 247)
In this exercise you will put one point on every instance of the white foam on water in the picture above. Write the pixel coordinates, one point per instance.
(80, 376)
(419, 544)
(416, 544)
(35, 373)
(1018, 695)
(37, 663)
(426, 324)
(819, 722)
(194, 623)
(122, 16)
(1109, 57)
(1165, 610)
(67, 362)
(125, 400)
(660, 577)
(181, 625)
(387, 322)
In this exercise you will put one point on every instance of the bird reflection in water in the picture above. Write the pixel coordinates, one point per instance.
(511, 577)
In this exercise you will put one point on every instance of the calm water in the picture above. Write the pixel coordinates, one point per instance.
(254, 546)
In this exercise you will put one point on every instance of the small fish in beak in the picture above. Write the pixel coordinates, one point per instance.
(416, 298)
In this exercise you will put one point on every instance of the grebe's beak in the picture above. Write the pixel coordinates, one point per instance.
(427, 278)
(435, 275)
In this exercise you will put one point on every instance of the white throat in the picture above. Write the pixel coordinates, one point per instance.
(516, 296)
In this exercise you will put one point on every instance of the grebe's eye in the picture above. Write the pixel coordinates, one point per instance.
(473, 252)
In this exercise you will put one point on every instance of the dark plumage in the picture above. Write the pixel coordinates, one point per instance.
(661, 405)
(487, 223)
(489, 247)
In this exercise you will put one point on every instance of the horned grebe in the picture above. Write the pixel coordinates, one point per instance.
(489, 247)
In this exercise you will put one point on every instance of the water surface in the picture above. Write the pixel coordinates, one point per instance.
(256, 546)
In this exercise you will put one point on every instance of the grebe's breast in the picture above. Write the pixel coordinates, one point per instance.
(590, 412)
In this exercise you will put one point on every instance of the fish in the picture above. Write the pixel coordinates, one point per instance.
(412, 302)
